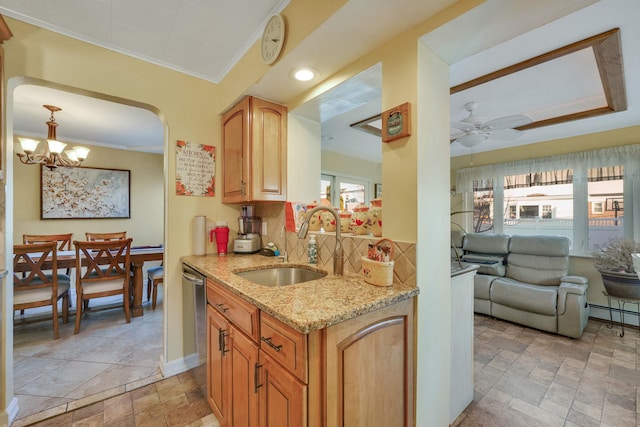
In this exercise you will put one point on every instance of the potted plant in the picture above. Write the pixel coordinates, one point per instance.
(615, 264)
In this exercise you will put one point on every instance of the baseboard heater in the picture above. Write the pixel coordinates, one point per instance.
(602, 312)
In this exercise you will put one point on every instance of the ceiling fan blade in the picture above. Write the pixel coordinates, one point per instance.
(507, 122)
(505, 134)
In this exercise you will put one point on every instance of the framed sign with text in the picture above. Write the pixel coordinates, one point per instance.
(396, 122)
(195, 169)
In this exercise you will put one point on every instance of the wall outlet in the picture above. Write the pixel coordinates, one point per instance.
(264, 228)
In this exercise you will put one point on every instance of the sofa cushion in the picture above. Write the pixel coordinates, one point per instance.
(541, 260)
(537, 270)
(524, 296)
(486, 243)
(482, 286)
(540, 245)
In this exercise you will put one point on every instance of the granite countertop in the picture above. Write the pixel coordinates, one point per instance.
(306, 306)
(462, 268)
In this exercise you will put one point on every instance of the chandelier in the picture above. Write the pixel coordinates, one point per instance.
(53, 155)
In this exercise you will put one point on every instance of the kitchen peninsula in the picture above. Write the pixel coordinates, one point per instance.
(331, 351)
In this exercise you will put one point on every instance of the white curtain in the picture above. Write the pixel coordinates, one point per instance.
(627, 156)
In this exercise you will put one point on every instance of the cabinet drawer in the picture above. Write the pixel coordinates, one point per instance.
(284, 344)
(235, 309)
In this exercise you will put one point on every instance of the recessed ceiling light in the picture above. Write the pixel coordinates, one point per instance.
(304, 74)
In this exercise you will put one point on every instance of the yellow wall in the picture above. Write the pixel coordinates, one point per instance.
(185, 104)
(333, 162)
(146, 190)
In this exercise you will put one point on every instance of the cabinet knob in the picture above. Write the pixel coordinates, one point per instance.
(222, 308)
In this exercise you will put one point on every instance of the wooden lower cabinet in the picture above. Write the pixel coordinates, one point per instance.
(283, 398)
(370, 369)
(218, 392)
(243, 375)
(359, 372)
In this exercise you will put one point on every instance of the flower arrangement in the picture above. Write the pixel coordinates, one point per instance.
(615, 256)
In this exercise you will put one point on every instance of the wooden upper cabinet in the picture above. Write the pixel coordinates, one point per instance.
(254, 152)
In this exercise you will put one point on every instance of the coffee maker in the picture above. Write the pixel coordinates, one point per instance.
(249, 229)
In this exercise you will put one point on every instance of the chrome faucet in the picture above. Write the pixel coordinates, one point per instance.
(283, 233)
(338, 255)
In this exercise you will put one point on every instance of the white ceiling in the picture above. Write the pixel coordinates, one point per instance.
(494, 35)
(546, 90)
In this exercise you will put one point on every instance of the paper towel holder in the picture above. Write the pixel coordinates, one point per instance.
(199, 234)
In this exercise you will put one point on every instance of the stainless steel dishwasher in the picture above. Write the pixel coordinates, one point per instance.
(197, 281)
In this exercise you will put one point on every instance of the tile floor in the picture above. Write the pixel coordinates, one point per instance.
(524, 377)
(107, 358)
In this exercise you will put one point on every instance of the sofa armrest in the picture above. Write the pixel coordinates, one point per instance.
(566, 290)
(580, 280)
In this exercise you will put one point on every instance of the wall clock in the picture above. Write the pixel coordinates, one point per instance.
(272, 39)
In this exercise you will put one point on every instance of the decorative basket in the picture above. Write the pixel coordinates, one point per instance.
(379, 273)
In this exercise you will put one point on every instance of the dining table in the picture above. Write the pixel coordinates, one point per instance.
(138, 256)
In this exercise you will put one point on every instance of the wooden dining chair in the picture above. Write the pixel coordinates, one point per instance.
(33, 287)
(99, 237)
(102, 269)
(64, 240)
(155, 276)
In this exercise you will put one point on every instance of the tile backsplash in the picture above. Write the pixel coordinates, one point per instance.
(354, 246)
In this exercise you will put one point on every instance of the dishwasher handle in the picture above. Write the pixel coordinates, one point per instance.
(196, 280)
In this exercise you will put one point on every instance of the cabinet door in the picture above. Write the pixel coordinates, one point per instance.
(218, 385)
(283, 398)
(268, 151)
(244, 380)
(370, 369)
(235, 153)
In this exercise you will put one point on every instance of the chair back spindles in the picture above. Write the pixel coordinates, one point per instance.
(102, 269)
(63, 240)
(33, 286)
(99, 237)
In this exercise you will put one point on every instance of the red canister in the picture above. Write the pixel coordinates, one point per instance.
(222, 236)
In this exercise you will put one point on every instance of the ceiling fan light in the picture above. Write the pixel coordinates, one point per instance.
(470, 141)
(55, 146)
(28, 145)
(81, 152)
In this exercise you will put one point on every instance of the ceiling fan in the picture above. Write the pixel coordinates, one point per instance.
(476, 130)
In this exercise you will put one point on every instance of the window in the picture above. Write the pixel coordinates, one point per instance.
(606, 197)
(587, 197)
(536, 196)
(350, 193)
(597, 208)
(482, 206)
(530, 211)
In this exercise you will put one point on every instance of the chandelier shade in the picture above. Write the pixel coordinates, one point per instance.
(54, 153)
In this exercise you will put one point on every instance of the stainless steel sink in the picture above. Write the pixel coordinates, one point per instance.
(281, 276)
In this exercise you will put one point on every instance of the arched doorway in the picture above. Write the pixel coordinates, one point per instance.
(145, 225)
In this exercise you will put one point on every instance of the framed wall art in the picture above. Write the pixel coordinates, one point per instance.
(84, 193)
(396, 122)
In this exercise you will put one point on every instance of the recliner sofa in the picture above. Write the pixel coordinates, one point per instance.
(523, 279)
